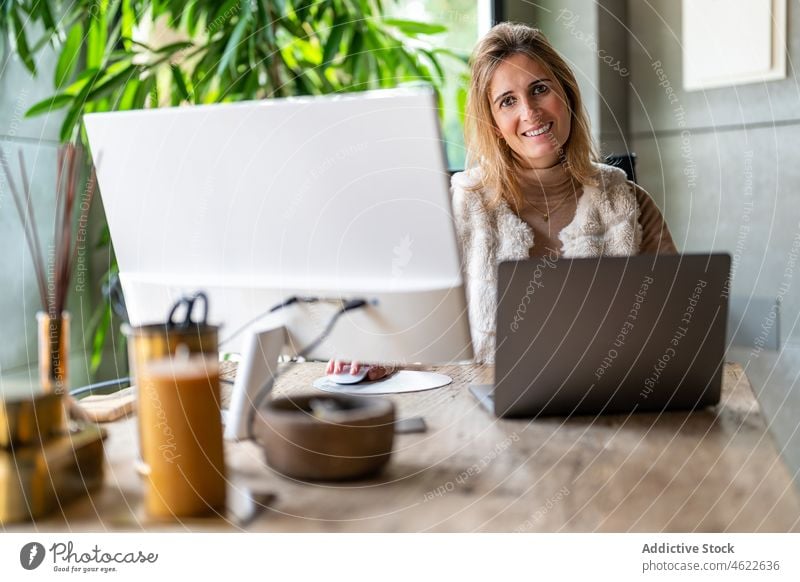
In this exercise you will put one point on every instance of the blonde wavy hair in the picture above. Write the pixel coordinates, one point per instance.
(493, 155)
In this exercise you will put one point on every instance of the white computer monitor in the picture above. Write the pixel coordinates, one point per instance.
(342, 196)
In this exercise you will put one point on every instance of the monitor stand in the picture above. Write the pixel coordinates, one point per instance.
(257, 369)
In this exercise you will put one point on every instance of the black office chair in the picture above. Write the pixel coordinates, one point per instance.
(625, 162)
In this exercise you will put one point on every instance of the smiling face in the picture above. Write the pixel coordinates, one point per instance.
(530, 110)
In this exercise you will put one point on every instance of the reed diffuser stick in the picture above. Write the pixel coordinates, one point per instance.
(26, 227)
(38, 257)
(53, 275)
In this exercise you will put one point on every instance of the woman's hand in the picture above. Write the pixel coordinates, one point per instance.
(375, 372)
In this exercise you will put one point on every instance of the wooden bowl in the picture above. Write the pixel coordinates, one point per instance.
(351, 442)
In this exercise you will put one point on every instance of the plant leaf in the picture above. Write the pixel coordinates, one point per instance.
(180, 83)
(99, 339)
(127, 24)
(74, 113)
(97, 36)
(174, 47)
(128, 98)
(21, 42)
(333, 42)
(83, 78)
(222, 14)
(70, 52)
(461, 99)
(50, 104)
(190, 18)
(104, 239)
(301, 8)
(413, 27)
(142, 91)
(112, 79)
(293, 27)
(44, 12)
(458, 55)
(356, 44)
(436, 65)
(233, 43)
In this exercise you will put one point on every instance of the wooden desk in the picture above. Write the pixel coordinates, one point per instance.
(714, 470)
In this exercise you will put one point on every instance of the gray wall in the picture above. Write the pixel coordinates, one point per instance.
(37, 138)
(583, 31)
(722, 163)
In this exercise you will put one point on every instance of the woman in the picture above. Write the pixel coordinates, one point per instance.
(534, 186)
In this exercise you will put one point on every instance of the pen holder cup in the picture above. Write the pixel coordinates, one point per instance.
(353, 438)
(159, 340)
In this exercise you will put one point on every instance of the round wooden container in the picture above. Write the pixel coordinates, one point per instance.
(351, 442)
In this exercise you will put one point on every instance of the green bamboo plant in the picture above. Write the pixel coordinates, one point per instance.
(14, 15)
(133, 54)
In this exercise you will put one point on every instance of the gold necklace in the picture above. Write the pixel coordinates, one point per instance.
(546, 215)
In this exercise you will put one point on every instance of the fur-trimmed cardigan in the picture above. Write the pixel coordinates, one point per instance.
(606, 223)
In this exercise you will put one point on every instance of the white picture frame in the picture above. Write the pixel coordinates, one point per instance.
(733, 42)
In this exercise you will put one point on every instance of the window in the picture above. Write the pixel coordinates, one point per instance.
(466, 22)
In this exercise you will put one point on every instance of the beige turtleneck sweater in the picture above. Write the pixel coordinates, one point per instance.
(554, 192)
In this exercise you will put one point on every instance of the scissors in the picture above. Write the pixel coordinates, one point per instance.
(188, 301)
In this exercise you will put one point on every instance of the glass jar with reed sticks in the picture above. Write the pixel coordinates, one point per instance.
(53, 271)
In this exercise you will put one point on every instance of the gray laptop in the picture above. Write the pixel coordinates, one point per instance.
(608, 335)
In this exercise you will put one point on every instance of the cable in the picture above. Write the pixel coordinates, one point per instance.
(273, 309)
(100, 385)
(264, 391)
(348, 306)
(126, 380)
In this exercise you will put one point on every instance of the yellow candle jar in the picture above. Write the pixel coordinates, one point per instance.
(181, 436)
